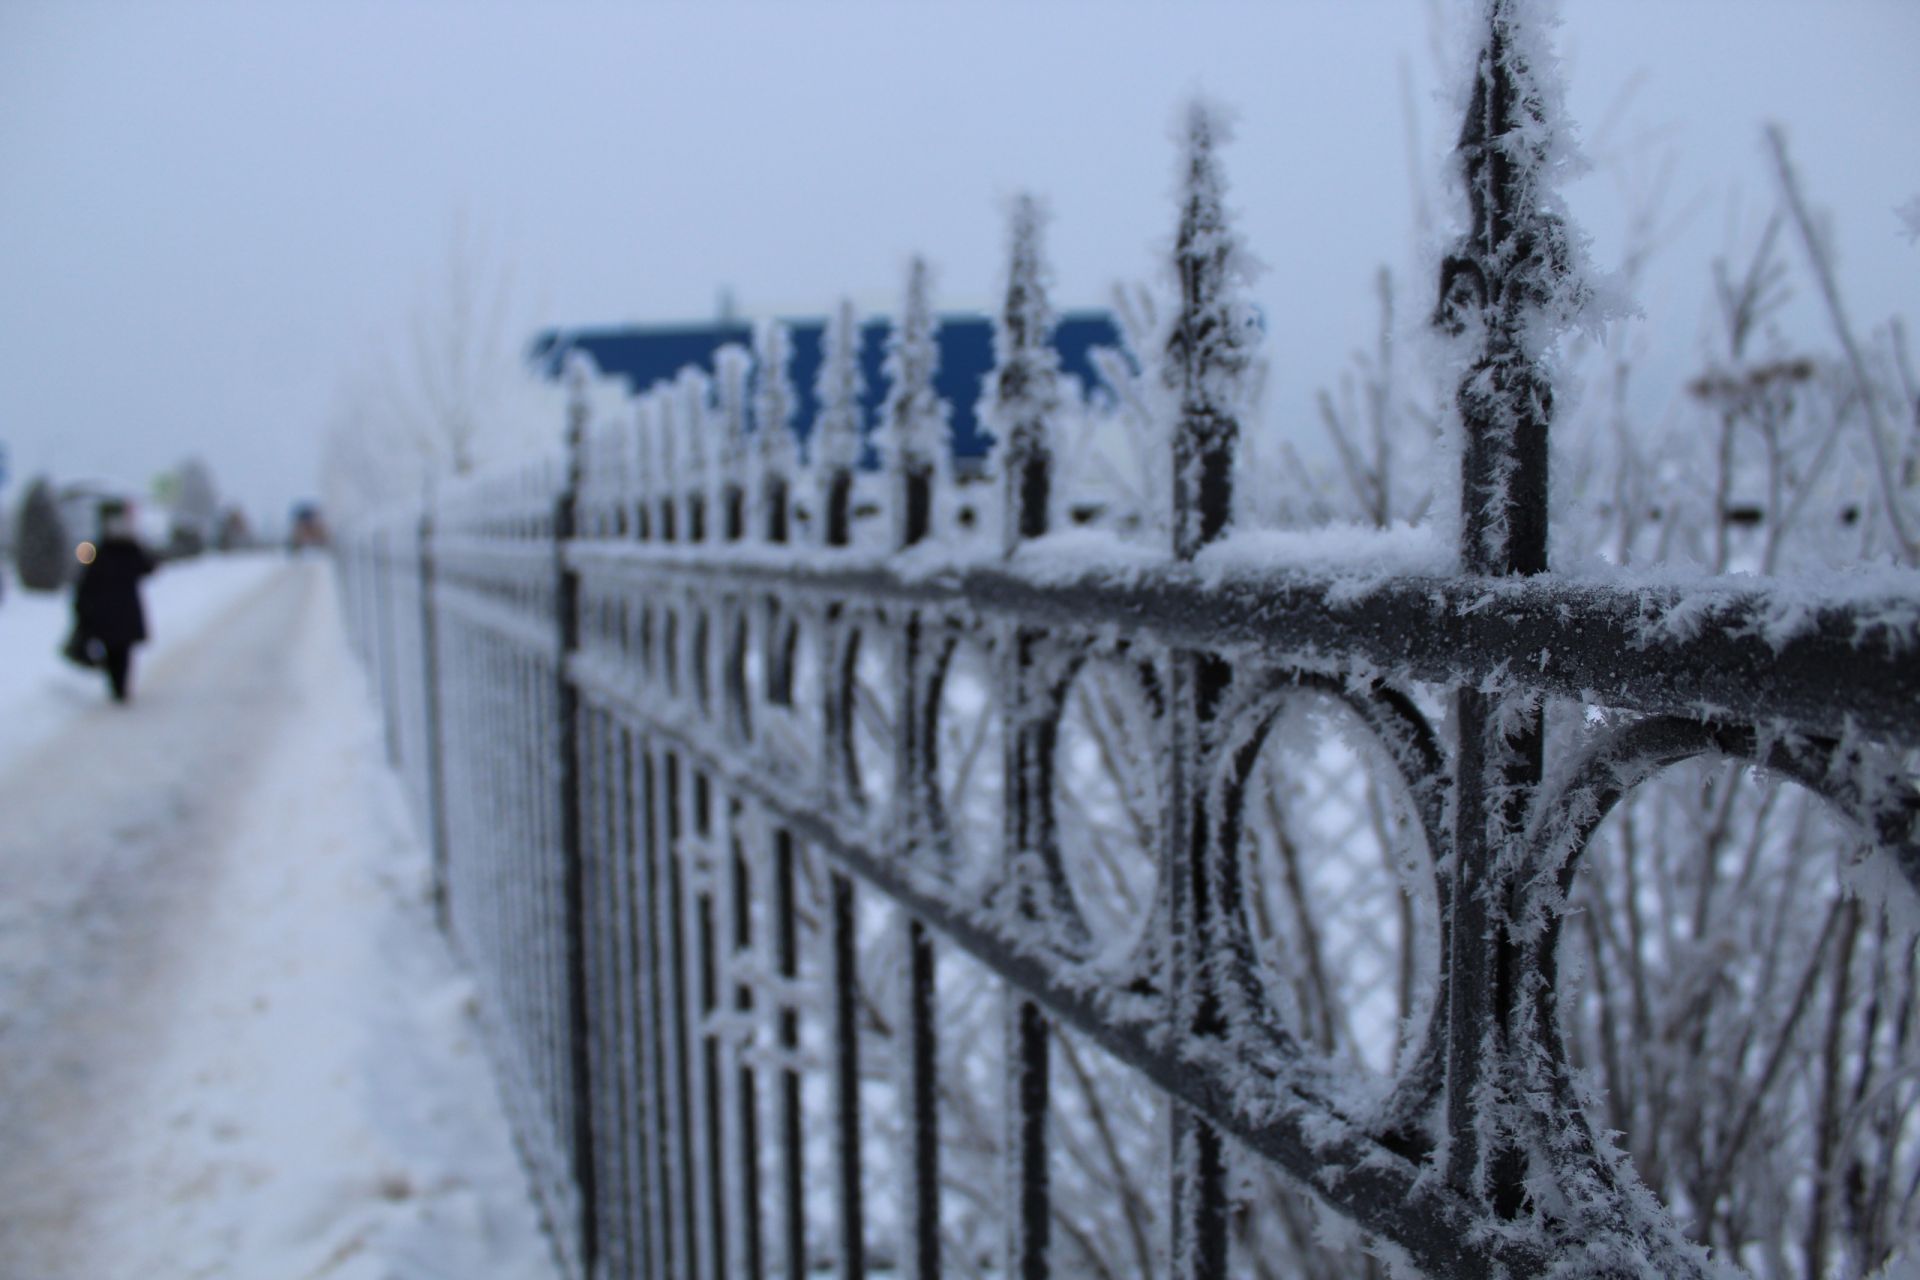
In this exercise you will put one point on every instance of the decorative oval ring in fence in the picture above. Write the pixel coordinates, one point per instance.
(868, 719)
(1281, 976)
(741, 666)
(1868, 797)
(1888, 813)
(790, 736)
(644, 640)
(1106, 802)
(700, 660)
(669, 652)
(966, 764)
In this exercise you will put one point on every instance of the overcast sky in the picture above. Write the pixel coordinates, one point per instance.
(211, 214)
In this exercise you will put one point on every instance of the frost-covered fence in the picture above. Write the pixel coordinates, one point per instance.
(870, 873)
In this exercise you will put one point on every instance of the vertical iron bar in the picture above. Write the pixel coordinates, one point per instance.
(1025, 395)
(679, 1138)
(1199, 1221)
(747, 1152)
(923, 1116)
(793, 1223)
(665, 1255)
(1206, 354)
(846, 1082)
(1031, 1220)
(602, 800)
(436, 763)
(567, 728)
(916, 438)
(1499, 283)
(623, 971)
(1030, 737)
(713, 1149)
(384, 645)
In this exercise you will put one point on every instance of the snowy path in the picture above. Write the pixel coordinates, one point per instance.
(231, 1044)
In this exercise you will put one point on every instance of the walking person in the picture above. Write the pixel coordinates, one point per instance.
(106, 604)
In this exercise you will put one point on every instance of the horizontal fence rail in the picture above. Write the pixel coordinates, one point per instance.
(857, 866)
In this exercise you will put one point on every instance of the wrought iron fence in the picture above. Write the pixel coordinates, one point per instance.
(766, 830)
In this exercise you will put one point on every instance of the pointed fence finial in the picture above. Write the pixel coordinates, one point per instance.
(665, 421)
(732, 367)
(694, 391)
(1211, 343)
(836, 432)
(1023, 391)
(775, 457)
(636, 442)
(1508, 288)
(916, 438)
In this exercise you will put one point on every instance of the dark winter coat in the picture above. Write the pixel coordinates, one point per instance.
(107, 601)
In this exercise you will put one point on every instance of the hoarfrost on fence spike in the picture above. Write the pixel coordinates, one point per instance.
(773, 397)
(915, 419)
(836, 433)
(695, 391)
(733, 367)
(1212, 340)
(1021, 395)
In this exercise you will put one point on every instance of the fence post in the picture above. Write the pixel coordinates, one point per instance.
(1206, 354)
(430, 692)
(836, 444)
(384, 645)
(914, 441)
(1024, 397)
(572, 851)
(1506, 275)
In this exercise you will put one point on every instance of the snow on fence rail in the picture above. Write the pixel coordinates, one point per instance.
(916, 901)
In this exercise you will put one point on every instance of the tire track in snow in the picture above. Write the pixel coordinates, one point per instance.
(110, 839)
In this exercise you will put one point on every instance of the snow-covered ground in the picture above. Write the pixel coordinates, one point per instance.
(231, 1042)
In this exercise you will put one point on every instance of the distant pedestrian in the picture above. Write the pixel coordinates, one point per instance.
(107, 613)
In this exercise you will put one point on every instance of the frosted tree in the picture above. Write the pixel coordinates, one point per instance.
(1384, 459)
(42, 550)
(1897, 502)
(916, 439)
(445, 394)
(1023, 393)
(1749, 1026)
(1135, 483)
(774, 455)
(1909, 215)
(835, 447)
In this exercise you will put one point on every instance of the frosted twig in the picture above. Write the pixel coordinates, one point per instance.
(1829, 291)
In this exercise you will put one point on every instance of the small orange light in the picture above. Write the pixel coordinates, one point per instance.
(84, 553)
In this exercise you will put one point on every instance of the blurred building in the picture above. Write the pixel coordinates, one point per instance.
(646, 354)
